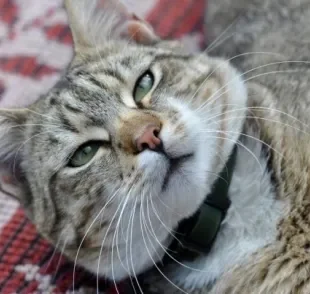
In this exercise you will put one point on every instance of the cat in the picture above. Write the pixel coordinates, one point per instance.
(126, 141)
(134, 136)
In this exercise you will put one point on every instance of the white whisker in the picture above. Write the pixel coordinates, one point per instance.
(87, 231)
(150, 255)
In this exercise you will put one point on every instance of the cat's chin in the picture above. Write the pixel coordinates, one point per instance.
(175, 165)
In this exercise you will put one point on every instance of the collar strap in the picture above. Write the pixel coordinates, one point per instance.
(195, 235)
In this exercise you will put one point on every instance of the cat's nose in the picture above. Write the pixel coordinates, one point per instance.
(149, 139)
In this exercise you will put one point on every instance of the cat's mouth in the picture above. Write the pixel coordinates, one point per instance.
(174, 166)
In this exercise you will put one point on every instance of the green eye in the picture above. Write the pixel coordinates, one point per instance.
(84, 154)
(143, 86)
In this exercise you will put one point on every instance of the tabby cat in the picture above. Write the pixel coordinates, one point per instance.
(132, 138)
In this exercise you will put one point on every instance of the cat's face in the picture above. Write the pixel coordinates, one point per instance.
(126, 145)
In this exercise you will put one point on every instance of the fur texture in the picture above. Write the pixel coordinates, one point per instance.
(115, 214)
(266, 40)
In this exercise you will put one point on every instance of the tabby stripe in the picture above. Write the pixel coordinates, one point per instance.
(115, 74)
(96, 82)
(172, 56)
(126, 61)
(72, 108)
(82, 74)
(52, 189)
(301, 285)
(64, 83)
(67, 124)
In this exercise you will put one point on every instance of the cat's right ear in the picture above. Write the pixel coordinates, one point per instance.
(12, 137)
(95, 22)
(12, 123)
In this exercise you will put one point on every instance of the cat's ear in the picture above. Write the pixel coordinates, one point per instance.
(12, 127)
(12, 123)
(94, 22)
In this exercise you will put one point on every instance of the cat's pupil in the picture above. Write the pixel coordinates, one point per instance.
(84, 154)
(145, 82)
(87, 150)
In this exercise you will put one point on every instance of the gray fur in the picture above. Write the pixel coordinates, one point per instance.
(115, 215)
(118, 200)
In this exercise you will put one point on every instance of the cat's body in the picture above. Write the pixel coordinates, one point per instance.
(154, 158)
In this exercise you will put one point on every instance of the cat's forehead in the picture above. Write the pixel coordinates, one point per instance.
(98, 79)
(92, 91)
(120, 53)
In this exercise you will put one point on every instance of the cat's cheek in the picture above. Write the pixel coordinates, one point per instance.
(180, 136)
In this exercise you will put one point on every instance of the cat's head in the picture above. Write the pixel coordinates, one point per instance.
(127, 144)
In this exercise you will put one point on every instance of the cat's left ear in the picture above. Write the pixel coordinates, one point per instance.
(95, 22)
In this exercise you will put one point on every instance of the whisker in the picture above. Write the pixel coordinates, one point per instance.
(87, 231)
(213, 97)
(266, 119)
(252, 137)
(26, 109)
(130, 248)
(59, 259)
(22, 145)
(256, 108)
(239, 143)
(104, 238)
(112, 261)
(117, 231)
(213, 43)
(166, 250)
(150, 255)
(230, 59)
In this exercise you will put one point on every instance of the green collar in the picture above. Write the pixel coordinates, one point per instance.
(196, 234)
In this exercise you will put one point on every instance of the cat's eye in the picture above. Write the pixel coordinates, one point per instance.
(84, 154)
(143, 86)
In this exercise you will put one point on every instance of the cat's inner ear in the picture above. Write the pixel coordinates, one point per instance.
(95, 22)
(140, 31)
(12, 130)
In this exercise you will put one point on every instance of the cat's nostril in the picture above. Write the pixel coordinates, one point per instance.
(156, 133)
(144, 146)
(148, 139)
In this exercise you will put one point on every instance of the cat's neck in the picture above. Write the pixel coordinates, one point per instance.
(251, 219)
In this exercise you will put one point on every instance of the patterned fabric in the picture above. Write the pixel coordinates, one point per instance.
(35, 47)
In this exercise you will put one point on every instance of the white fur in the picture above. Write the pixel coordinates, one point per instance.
(249, 225)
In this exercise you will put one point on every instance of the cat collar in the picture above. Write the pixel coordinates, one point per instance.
(196, 234)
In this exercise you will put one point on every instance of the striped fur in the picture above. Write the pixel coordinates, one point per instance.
(113, 216)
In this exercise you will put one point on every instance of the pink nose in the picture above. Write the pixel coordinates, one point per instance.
(149, 138)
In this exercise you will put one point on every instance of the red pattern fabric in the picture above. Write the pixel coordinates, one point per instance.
(35, 47)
